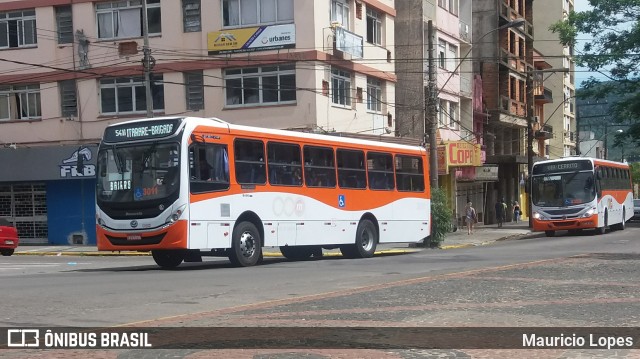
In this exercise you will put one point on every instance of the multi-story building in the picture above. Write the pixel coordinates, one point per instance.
(562, 112)
(70, 68)
(504, 60)
(542, 130)
(444, 28)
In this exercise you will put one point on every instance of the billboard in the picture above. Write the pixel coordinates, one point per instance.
(250, 39)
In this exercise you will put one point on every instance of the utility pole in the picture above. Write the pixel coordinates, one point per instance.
(148, 62)
(431, 111)
(530, 114)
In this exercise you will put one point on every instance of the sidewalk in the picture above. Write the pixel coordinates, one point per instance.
(482, 235)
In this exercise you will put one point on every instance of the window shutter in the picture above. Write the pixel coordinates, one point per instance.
(64, 24)
(68, 98)
(195, 90)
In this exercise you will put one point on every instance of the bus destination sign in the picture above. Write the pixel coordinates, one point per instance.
(141, 130)
(568, 166)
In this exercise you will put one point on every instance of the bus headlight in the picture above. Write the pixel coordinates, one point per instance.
(175, 216)
(590, 212)
(539, 216)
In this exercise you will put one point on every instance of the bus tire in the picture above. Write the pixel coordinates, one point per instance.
(366, 239)
(7, 252)
(603, 229)
(620, 226)
(550, 233)
(167, 258)
(246, 245)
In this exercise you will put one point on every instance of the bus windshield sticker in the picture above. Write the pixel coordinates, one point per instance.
(341, 201)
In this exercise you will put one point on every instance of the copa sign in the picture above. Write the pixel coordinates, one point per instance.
(463, 154)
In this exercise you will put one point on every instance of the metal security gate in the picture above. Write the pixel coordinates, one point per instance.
(25, 205)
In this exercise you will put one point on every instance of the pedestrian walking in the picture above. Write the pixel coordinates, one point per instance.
(471, 217)
(500, 212)
(516, 211)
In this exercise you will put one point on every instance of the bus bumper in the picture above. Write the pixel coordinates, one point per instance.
(172, 237)
(560, 225)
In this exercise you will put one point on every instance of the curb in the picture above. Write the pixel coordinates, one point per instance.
(507, 238)
(386, 252)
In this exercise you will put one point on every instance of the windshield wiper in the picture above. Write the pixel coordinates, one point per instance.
(147, 155)
(120, 166)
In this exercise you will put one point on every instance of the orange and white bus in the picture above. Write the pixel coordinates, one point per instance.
(185, 187)
(579, 193)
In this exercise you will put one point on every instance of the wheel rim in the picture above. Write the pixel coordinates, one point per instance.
(247, 244)
(366, 238)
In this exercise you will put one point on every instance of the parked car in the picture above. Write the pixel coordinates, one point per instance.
(636, 209)
(8, 237)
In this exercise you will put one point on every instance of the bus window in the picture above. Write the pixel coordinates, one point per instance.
(351, 169)
(249, 161)
(285, 166)
(208, 167)
(319, 168)
(380, 171)
(409, 174)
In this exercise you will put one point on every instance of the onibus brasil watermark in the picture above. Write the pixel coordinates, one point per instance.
(36, 338)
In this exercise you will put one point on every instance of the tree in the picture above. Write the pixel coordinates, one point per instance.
(614, 48)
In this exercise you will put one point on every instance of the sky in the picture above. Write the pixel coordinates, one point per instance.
(581, 72)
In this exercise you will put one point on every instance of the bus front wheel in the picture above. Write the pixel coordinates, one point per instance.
(603, 229)
(246, 245)
(366, 241)
(168, 258)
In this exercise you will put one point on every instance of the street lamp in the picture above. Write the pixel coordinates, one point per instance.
(430, 109)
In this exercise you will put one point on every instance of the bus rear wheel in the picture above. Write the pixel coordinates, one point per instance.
(366, 241)
(246, 245)
(168, 258)
(620, 226)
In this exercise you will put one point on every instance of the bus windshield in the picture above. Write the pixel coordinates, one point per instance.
(566, 189)
(138, 173)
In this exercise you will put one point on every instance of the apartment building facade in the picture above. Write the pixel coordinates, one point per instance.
(504, 60)
(70, 68)
(562, 112)
(444, 28)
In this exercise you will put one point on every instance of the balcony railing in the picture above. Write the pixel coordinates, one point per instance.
(513, 107)
(465, 32)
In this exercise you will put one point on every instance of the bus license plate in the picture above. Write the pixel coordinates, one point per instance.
(134, 237)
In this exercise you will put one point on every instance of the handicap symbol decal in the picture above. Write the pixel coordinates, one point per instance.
(341, 201)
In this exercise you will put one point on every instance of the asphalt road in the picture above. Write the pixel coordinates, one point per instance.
(580, 280)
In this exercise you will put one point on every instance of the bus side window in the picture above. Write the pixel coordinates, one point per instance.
(250, 162)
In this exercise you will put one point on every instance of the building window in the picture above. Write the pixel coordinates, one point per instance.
(374, 95)
(449, 5)
(374, 27)
(191, 21)
(194, 86)
(20, 102)
(341, 87)
(453, 115)
(64, 24)
(123, 19)
(127, 95)
(256, 12)
(267, 85)
(447, 55)
(18, 29)
(68, 98)
(340, 13)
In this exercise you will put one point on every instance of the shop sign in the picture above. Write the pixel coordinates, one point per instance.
(76, 165)
(44, 163)
(463, 154)
(487, 173)
(250, 39)
(443, 169)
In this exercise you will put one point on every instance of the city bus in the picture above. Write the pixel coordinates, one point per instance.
(185, 187)
(579, 193)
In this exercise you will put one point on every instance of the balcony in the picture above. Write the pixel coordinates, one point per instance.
(510, 112)
(465, 32)
(546, 133)
(543, 95)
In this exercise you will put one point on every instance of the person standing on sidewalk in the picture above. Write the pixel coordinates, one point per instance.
(471, 217)
(500, 212)
(516, 211)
